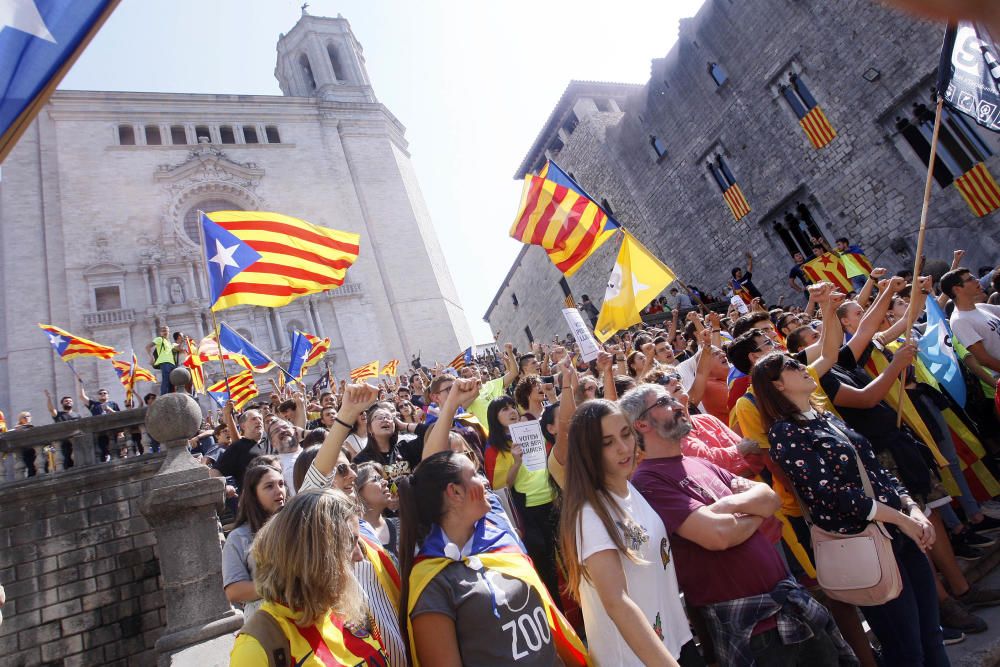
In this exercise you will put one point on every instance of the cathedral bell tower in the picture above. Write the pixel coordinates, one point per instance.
(320, 57)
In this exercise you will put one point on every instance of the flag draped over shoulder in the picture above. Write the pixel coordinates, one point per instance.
(638, 278)
(270, 259)
(362, 373)
(241, 389)
(70, 347)
(556, 214)
(829, 267)
(939, 356)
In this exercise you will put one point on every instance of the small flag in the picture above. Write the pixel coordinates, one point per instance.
(70, 347)
(242, 388)
(322, 384)
(828, 267)
(231, 341)
(638, 278)
(193, 362)
(123, 371)
(208, 350)
(979, 190)
(306, 351)
(939, 356)
(969, 73)
(462, 360)
(736, 201)
(558, 215)
(366, 372)
(270, 259)
(390, 368)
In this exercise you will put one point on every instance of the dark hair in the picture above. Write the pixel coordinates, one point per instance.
(435, 386)
(372, 446)
(739, 350)
(623, 383)
(783, 320)
(249, 510)
(735, 270)
(314, 437)
(497, 433)
(421, 505)
(794, 341)
(772, 404)
(219, 429)
(953, 279)
(64, 398)
(288, 404)
(147, 397)
(522, 392)
(548, 419)
(302, 463)
(843, 239)
(749, 321)
(524, 358)
(629, 361)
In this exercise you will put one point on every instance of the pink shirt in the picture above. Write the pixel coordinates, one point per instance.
(712, 440)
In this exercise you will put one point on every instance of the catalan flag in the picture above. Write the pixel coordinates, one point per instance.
(307, 349)
(390, 368)
(731, 191)
(270, 259)
(123, 370)
(828, 267)
(810, 115)
(208, 350)
(241, 389)
(556, 214)
(70, 347)
(979, 190)
(193, 362)
(462, 360)
(366, 372)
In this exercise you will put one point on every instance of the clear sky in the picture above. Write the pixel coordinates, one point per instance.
(472, 81)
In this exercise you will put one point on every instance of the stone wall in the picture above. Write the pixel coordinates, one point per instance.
(80, 569)
(867, 184)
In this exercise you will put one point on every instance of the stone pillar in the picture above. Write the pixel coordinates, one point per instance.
(180, 503)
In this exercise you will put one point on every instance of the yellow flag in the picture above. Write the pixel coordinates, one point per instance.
(637, 279)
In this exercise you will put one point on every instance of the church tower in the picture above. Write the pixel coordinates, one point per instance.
(320, 57)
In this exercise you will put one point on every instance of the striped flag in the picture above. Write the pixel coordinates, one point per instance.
(193, 362)
(70, 347)
(366, 372)
(462, 360)
(817, 127)
(123, 370)
(231, 341)
(306, 351)
(390, 368)
(3, 423)
(242, 388)
(270, 259)
(830, 268)
(208, 350)
(556, 214)
(737, 202)
(979, 190)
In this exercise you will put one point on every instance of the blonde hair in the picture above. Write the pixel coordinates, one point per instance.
(303, 558)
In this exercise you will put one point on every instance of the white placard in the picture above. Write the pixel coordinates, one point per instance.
(741, 305)
(582, 333)
(529, 436)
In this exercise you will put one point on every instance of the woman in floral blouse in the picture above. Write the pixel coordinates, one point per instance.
(817, 452)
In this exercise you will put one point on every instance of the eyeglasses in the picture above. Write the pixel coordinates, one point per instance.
(768, 343)
(787, 364)
(662, 402)
(343, 469)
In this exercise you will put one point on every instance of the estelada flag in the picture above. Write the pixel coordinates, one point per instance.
(463, 359)
(637, 279)
(123, 370)
(70, 347)
(269, 259)
(828, 267)
(558, 215)
(390, 368)
(240, 390)
(362, 373)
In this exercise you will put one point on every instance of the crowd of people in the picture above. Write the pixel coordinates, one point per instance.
(694, 480)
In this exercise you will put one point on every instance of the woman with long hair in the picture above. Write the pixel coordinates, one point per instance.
(263, 495)
(357, 439)
(382, 437)
(821, 456)
(501, 413)
(372, 489)
(304, 573)
(616, 549)
(471, 596)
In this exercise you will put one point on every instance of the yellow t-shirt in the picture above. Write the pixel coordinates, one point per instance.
(535, 486)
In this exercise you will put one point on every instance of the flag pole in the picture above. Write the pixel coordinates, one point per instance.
(211, 308)
(693, 295)
(915, 285)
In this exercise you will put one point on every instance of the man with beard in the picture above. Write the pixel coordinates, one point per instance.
(284, 442)
(237, 457)
(725, 565)
(66, 414)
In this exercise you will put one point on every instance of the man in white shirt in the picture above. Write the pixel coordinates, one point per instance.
(975, 323)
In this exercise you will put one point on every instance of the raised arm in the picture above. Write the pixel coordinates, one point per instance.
(83, 394)
(48, 403)
(832, 334)
(509, 365)
(299, 419)
(872, 319)
(567, 407)
(749, 262)
(357, 399)
(463, 392)
(875, 391)
(605, 362)
(230, 422)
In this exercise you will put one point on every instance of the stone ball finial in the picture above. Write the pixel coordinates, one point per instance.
(173, 417)
(180, 377)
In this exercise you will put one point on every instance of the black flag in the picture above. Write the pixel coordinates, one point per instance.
(969, 73)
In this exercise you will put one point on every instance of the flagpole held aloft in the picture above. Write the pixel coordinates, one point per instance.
(208, 277)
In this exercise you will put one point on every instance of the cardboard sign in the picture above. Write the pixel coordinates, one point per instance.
(582, 333)
(529, 436)
(741, 307)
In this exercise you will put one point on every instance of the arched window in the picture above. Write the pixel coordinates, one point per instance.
(307, 72)
(153, 135)
(202, 131)
(178, 136)
(338, 71)
(191, 220)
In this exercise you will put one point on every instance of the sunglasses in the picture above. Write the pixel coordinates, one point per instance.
(343, 469)
(788, 364)
(662, 402)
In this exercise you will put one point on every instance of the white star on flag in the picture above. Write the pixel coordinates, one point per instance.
(55, 340)
(224, 256)
(23, 15)
(305, 355)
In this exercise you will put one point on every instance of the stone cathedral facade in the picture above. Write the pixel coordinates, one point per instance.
(98, 220)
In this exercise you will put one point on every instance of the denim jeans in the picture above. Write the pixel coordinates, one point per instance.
(165, 386)
(858, 282)
(947, 447)
(909, 627)
(818, 651)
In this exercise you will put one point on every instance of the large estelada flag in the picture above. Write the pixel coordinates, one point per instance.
(558, 215)
(269, 259)
(231, 341)
(637, 279)
(830, 268)
(70, 347)
(39, 41)
(241, 388)
(969, 81)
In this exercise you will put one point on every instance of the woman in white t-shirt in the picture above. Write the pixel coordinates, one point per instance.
(616, 549)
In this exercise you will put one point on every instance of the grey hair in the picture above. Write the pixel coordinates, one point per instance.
(635, 399)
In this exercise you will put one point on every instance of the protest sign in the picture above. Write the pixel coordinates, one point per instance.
(582, 333)
(529, 436)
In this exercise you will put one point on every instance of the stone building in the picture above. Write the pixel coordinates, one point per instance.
(98, 222)
(725, 96)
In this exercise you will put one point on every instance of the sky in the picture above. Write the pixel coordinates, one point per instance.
(472, 81)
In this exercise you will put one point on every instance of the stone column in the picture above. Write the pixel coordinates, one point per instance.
(180, 503)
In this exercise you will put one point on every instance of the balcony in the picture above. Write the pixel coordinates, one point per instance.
(347, 289)
(109, 318)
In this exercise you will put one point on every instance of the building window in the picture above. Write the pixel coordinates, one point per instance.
(338, 72)
(107, 298)
(178, 136)
(603, 104)
(513, 298)
(153, 135)
(126, 135)
(192, 221)
(271, 131)
(527, 332)
(250, 134)
(570, 123)
(959, 145)
(797, 230)
(658, 146)
(307, 72)
(202, 131)
(606, 206)
(226, 134)
(717, 73)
